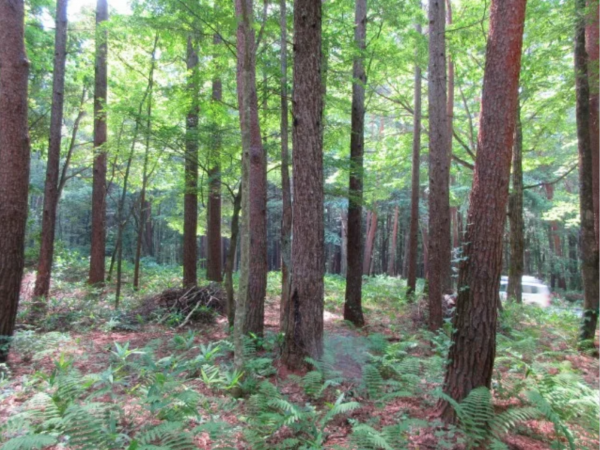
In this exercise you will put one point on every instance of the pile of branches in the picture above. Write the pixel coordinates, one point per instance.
(194, 304)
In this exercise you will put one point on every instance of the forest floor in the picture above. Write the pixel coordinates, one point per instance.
(377, 387)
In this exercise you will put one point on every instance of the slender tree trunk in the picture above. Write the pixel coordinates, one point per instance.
(450, 114)
(42, 281)
(286, 217)
(344, 244)
(190, 201)
(515, 215)
(14, 165)
(253, 277)
(353, 304)
(63, 174)
(98, 238)
(425, 246)
(391, 266)
(589, 249)
(592, 46)
(555, 244)
(473, 346)
(370, 242)
(231, 252)
(413, 233)
(213, 270)
(145, 176)
(439, 166)
(121, 222)
(305, 308)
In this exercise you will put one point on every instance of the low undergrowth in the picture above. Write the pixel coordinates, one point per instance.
(94, 383)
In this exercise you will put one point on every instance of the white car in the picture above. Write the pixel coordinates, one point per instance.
(535, 292)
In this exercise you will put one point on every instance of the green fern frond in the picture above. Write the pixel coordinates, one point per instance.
(29, 442)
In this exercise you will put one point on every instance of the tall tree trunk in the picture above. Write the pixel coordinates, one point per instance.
(589, 249)
(370, 242)
(98, 238)
(453, 243)
(42, 281)
(253, 277)
(286, 215)
(391, 266)
(592, 46)
(145, 176)
(231, 252)
(413, 233)
(515, 216)
(305, 308)
(190, 199)
(555, 244)
(473, 346)
(14, 165)
(213, 269)
(344, 243)
(353, 304)
(439, 166)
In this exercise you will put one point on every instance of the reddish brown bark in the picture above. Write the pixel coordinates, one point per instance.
(439, 166)
(190, 199)
(369, 242)
(286, 197)
(413, 232)
(515, 215)
(98, 238)
(391, 267)
(305, 309)
(353, 298)
(589, 249)
(14, 164)
(51, 193)
(473, 346)
(213, 267)
(592, 46)
(231, 252)
(253, 278)
(555, 243)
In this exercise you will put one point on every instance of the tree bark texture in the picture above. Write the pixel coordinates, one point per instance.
(370, 241)
(213, 268)
(14, 164)
(98, 238)
(391, 263)
(589, 249)
(44, 270)
(413, 232)
(473, 346)
(592, 46)
(304, 336)
(439, 166)
(231, 252)
(555, 244)
(353, 298)
(190, 199)
(253, 277)
(515, 216)
(286, 215)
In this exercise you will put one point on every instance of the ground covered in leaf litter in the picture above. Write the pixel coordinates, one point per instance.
(92, 351)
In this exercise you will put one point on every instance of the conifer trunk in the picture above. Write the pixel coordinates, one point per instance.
(44, 271)
(589, 249)
(473, 346)
(515, 216)
(213, 268)
(592, 46)
(286, 217)
(439, 166)
(14, 164)
(413, 233)
(391, 266)
(304, 313)
(353, 298)
(190, 201)
(98, 238)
